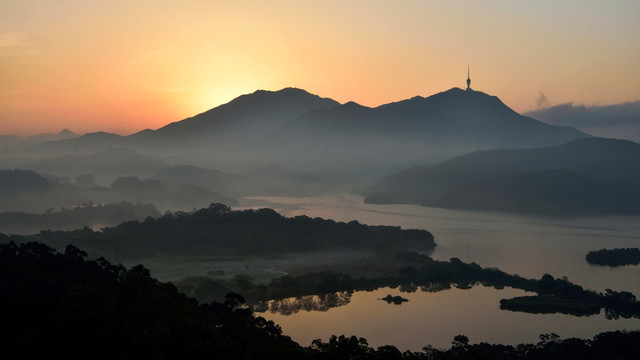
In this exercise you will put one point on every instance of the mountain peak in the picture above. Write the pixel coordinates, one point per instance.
(249, 115)
(283, 91)
(67, 132)
(353, 105)
(456, 91)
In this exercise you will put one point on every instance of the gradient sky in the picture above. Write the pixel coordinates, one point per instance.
(126, 65)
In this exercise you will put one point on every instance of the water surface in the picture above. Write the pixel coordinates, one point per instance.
(520, 244)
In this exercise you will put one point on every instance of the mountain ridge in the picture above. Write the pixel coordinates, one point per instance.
(602, 170)
(291, 126)
(244, 111)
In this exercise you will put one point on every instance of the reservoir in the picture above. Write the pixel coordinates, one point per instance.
(518, 244)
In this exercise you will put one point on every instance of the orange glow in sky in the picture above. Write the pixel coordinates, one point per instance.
(123, 66)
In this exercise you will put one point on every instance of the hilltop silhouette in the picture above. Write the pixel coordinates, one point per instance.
(456, 115)
(418, 130)
(291, 127)
(9, 142)
(245, 116)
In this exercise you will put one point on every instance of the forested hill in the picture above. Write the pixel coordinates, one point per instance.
(220, 230)
(591, 176)
(57, 305)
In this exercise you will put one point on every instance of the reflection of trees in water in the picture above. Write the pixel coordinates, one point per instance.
(324, 302)
(293, 305)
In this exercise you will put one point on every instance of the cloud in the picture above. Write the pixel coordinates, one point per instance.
(620, 121)
(542, 101)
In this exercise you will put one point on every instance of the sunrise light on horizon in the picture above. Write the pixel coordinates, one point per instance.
(124, 66)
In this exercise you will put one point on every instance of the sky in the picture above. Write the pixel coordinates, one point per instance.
(127, 65)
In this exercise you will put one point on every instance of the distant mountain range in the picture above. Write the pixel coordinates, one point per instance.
(585, 176)
(9, 141)
(301, 130)
(87, 143)
(470, 118)
(487, 155)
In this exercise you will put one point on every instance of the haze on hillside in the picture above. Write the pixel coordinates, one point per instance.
(286, 142)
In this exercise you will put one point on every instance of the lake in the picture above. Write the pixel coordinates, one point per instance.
(520, 244)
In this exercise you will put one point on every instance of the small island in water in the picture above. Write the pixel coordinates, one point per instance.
(397, 300)
(614, 257)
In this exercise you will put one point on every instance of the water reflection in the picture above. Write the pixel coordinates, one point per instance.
(324, 302)
(293, 305)
(530, 246)
(517, 244)
(434, 315)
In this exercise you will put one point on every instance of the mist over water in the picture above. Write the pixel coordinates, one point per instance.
(526, 245)
(519, 244)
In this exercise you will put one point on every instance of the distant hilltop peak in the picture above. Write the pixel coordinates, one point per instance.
(285, 94)
(354, 105)
(458, 93)
(67, 132)
(249, 115)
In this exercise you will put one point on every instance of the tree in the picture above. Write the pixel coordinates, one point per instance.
(460, 341)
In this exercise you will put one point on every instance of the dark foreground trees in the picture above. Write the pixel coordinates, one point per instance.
(60, 305)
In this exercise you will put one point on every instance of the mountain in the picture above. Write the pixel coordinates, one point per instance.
(305, 132)
(443, 125)
(246, 117)
(245, 122)
(62, 135)
(621, 121)
(9, 141)
(584, 176)
(87, 143)
(454, 115)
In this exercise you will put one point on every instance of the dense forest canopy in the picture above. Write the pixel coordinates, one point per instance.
(219, 230)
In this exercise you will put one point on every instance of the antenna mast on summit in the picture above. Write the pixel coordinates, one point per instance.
(468, 78)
